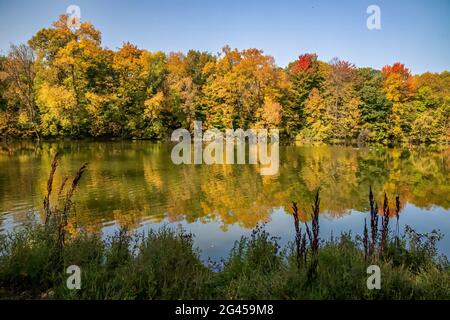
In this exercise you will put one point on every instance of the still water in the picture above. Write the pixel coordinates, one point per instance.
(134, 184)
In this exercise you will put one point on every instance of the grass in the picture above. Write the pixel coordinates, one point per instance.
(164, 264)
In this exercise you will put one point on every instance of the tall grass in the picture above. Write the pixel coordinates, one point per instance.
(164, 264)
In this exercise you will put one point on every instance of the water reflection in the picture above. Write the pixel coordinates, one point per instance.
(129, 182)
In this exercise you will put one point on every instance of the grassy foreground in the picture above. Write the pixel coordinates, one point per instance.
(164, 264)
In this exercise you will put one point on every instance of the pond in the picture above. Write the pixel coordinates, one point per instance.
(134, 184)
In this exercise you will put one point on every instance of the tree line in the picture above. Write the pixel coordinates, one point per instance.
(63, 83)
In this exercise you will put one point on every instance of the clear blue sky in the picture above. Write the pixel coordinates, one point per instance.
(415, 32)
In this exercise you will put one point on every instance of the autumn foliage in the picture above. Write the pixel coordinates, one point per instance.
(304, 62)
(65, 84)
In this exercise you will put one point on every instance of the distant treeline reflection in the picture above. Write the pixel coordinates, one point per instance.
(131, 181)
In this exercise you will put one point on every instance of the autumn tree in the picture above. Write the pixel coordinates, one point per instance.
(318, 125)
(305, 74)
(183, 92)
(431, 108)
(5, 112)
(130, 89)
(398, 86)
(340, 90)
(69, 64)
(243, 88)
(64, 83)
(19, 69)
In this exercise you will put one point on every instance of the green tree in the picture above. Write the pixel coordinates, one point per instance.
(374, 107)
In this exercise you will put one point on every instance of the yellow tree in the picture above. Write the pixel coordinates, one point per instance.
(318, 121)
(182, 91)
(244, 89)
(342, 99)
(431, 108)
(70, 62)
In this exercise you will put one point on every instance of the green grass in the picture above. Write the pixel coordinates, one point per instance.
(165, 265)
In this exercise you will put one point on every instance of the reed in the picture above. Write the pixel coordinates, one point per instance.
(300, 238)
(47, 210)
(397, 216)
(366, 241)
(53, 214)
(312, 233)
(375, 245)
(384, 224)
(373, 223)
